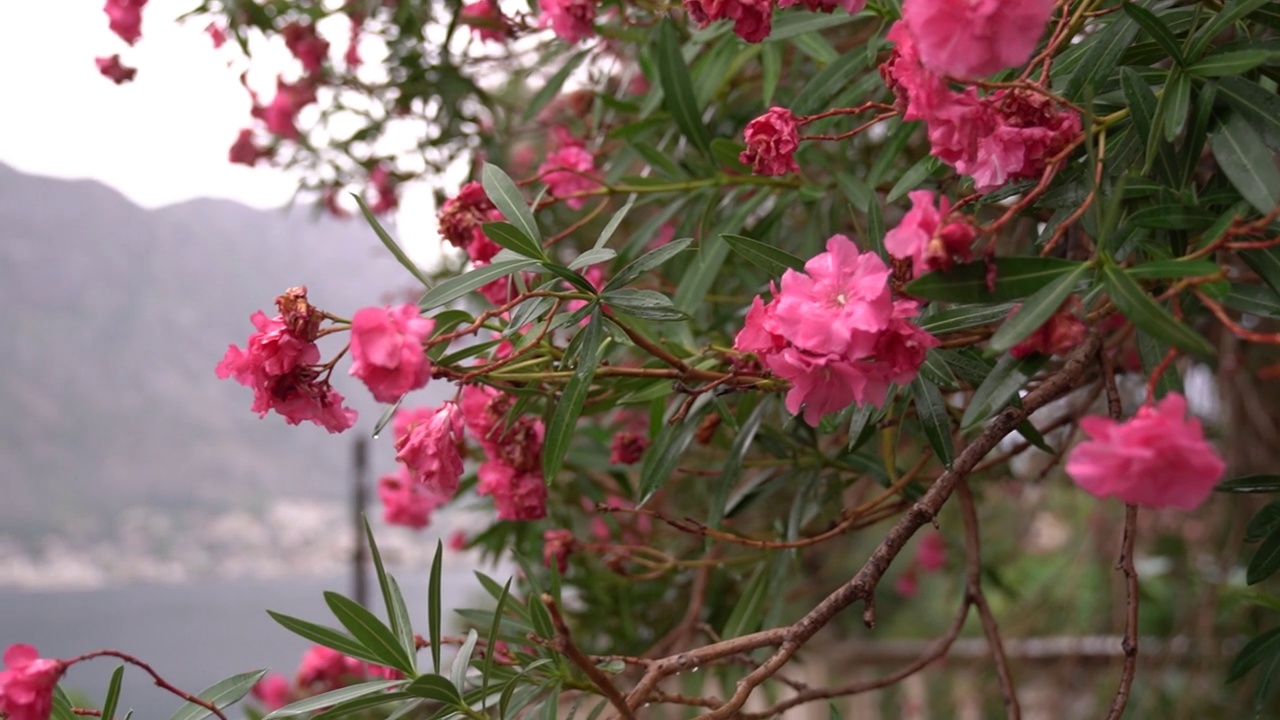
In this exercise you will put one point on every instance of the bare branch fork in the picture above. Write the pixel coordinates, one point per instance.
(789, 638)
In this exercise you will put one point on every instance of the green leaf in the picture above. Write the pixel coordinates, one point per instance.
(325, 636)
(1253, 299)
(1263, 523)
(793, 24)
(1230, 63)
(435, 687)
(62, 706)
(355, 705)
(1260, 648)
(1015, 277)
(1265, 561)
(1247, 162)
(1172, 217)
(1258, 106)
(749, 611)
(113, 693)
(1158, 31)
(458, 673)
(510, 237)
(1036, 310)
(643, 264)
(1100, 58)
(592, 257)
(1002, 385)
(332, 698)
(504, 194)
(644, 304)
(1177, 103)
(1142, 310)
(913, 177)
(931, 410)
(549, 91)
(732, 468)
(1173, 269)
(221, 694)
(964, 317)
(771, 259)
(486, 670)
(1151, 352)
(397, 612)
(611, 227)
(677, 88)
(455, 287)
(1250, 484)
(365, 627)
(935, 370)
(1229, 14)
(663, 455)
(435, 606)
(564, 422)
(1266, 263)
(390, 242)
(770, 69)
(817, 93)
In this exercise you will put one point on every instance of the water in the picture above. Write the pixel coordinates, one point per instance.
(193, 635)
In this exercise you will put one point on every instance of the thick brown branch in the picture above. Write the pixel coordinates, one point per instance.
(564, 643)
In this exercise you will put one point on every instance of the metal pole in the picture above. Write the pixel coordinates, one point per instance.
(358, 499)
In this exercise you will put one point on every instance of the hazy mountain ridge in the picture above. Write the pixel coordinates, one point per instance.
(113, 317)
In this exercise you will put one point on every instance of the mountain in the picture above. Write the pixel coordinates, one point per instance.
(112, 318)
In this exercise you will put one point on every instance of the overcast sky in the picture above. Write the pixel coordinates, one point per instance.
(159, 140)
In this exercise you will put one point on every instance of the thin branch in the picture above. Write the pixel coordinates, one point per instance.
(973, 588)
(155, 676)
(1130, 642)
(564, 643)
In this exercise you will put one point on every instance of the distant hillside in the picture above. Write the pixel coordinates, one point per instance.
(112, 319)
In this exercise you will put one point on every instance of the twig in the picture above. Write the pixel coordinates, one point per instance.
(1130, 642)
(155, 676)
(564, 643)
(789, 638)
(973, 589)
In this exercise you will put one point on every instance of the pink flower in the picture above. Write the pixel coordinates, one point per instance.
(273, 691)
(556, 547)
(244, 151)
(752, 19)
(484, 410)
(278, 364)
(27, 682)
(928, 237)
(974, 38)
(1058, 335)
(216, 35)
(516, 495)
(907, 584)
(309, 48)
(112, 68)
(462, 217)
(280, 116)
(488, 23)
(570, 20)
(853, 7)
(458, 540)
(329, 669)
(627, 448)
(352, 56)
(567, 171)
(772, 140)
(125, 18)
(384, 672)
(387, 352)
(383, 184)
(1158, 458)
(405, 501)
(429, 447)
(931, 555)
(835, 333)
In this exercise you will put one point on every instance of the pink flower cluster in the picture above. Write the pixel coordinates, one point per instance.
(322, 669)
(387, 350)
(1009, 135)
(487, 21)
(975, 38)
(124, 17)
(752, 19)
(931, 556)
(407, 502)
(279, 363)
(570, 20)
(429, 443)
(114, 70)
(1058, 335)
(557, 546)
(929, 237)
(772, 141)
(836, 333)
(569, 170)
(1158, 458)
(462, 218)
(512, 471)
(27, 683)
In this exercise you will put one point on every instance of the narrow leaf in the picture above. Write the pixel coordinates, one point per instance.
(510, 237)
(1247, 162)
(1250, 484)
(1232, 62)
(1254, 652)
(435, 605)
(1002, 384)
(677, 88)
(221, 694)
(397, 612)
(1036, 310)
(931, 411)
(113, 693)
(461, 661)
(325, 636)
(504, 194)
(564, 420)
(1155, 28)
(1015, 277)
(1137, 305)
(643, 264)
(332, 698)
(491, 649)
(644, 304)
(771, 259)
(370, 631)
(455, 287)
(1265, 561)
(390, 242)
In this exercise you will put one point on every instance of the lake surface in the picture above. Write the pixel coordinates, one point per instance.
(195, 635)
